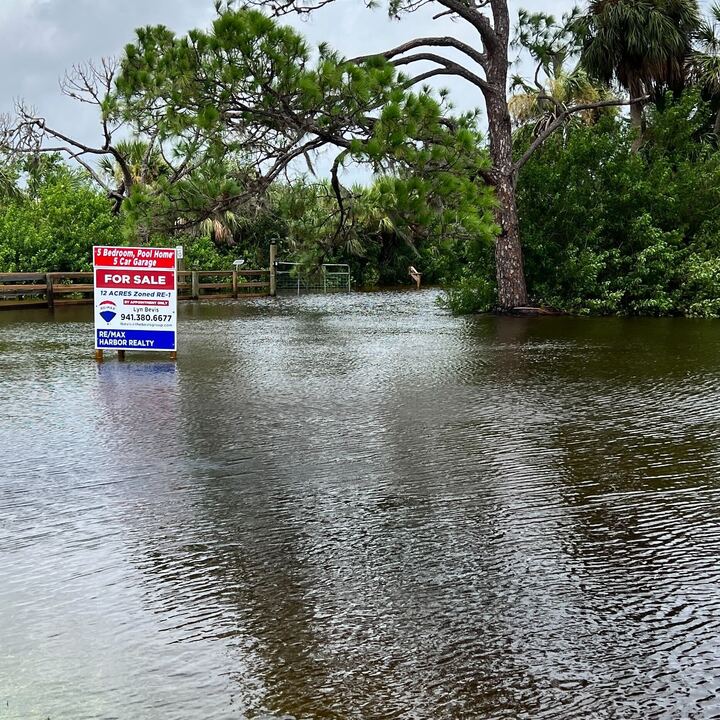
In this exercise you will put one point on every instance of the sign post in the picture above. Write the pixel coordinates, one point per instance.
(135, 299)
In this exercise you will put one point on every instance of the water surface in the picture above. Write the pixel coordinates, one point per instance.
(360, 507)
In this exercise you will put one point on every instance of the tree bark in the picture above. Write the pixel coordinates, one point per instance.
(509, 266)
(637, 115)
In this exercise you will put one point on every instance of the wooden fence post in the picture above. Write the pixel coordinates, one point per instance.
(49, 291)
(195, 285)
(273, 278)
(235, 283)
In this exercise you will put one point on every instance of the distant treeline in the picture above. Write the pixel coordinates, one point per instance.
(596, 189)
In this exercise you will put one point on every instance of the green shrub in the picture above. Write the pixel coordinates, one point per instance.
(472, 294)
(609, 231)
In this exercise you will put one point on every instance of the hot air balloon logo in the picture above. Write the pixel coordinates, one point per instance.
(108, 310)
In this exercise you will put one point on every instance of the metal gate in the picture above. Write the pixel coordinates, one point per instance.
(329, 277)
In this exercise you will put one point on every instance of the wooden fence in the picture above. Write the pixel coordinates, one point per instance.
(218, 284)
(72, 288)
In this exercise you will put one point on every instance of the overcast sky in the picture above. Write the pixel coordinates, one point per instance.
(40, 39)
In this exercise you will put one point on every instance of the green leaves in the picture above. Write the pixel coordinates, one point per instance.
(246, 94)
(54, 223)
(610, 231)
(640, 45)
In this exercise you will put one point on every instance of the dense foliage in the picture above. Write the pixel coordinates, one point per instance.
(52, 222)
(615, 216)
(220, 118)
(608, 230)
(51, 216)
(245, 101)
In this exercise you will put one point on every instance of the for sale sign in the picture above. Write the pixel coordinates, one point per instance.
(135, 298)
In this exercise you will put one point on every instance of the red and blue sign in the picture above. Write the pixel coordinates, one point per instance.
(135, 298)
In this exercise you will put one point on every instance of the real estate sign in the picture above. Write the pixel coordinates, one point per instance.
(135, 298)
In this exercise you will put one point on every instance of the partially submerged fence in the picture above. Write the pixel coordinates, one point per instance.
(66, 288)
(71, 288)
(330, 277)
(50, 289)
(219, 284)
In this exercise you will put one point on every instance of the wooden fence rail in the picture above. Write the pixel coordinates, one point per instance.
(66, 288)
(214, 284)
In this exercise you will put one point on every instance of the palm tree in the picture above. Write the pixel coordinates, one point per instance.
(9, 187)
(642, 45)
(144, 163)
(538, 107)
(704, 61)
(213, 202)
(537, 103)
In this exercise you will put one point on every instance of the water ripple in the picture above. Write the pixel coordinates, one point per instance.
(361, 507)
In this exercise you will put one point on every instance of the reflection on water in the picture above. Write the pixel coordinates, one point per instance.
(361, 507)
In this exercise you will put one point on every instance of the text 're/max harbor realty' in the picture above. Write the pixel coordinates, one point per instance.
(135, 298)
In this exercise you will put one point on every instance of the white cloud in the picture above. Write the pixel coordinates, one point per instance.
(40, 39)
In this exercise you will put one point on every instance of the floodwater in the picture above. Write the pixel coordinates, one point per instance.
(361, 507)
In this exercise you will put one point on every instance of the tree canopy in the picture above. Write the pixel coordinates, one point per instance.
(212, 138)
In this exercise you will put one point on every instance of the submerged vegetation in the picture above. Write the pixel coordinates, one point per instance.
(563, 198)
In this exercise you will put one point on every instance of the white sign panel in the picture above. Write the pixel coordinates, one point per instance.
(135, 298)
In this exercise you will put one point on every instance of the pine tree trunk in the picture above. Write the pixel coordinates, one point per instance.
(509, 268)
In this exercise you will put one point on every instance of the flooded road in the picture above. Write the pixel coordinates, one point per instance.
(360, 507)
